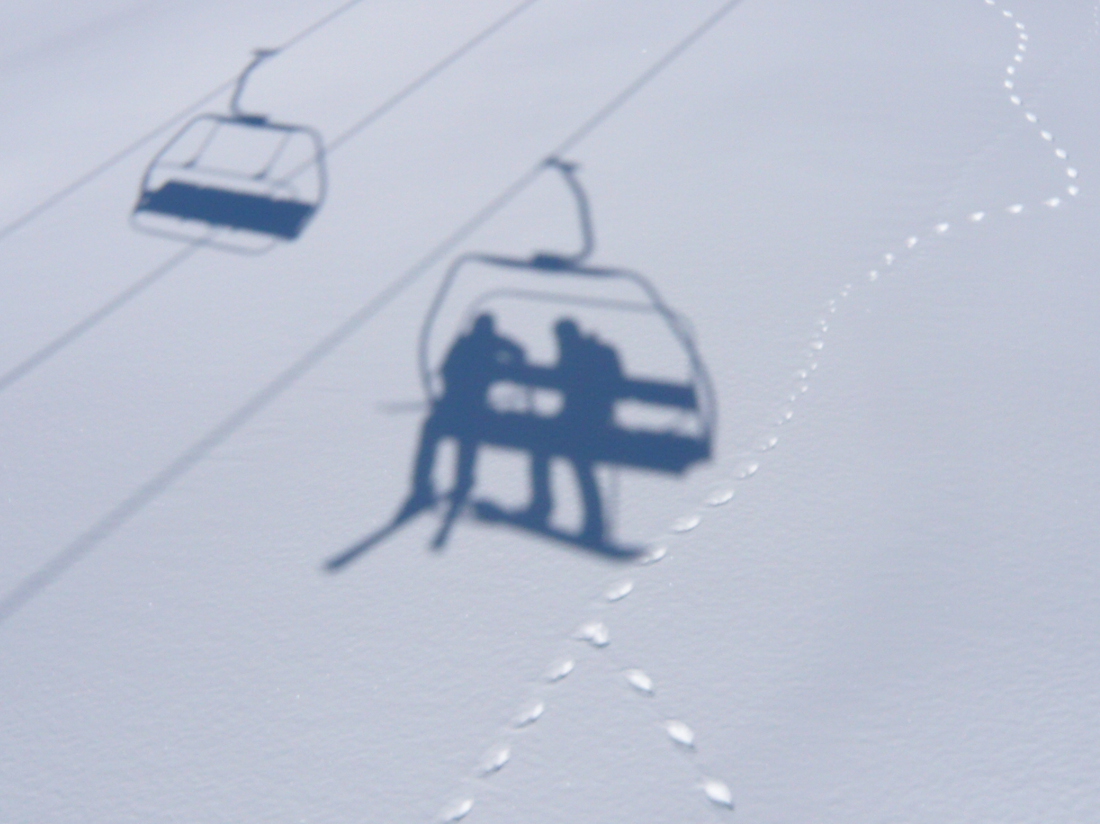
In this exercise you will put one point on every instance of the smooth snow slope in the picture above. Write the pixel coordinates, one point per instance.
(890, 274)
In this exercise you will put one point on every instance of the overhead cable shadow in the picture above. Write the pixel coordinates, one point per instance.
(76, 331)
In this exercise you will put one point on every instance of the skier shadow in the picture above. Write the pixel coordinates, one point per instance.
(589, 377)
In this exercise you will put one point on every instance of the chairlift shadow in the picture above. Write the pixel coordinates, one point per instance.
(239, 182)
(460, 376)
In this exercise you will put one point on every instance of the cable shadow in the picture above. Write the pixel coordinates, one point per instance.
(77, 331)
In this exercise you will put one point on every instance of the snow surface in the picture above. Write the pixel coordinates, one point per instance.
(891, 275)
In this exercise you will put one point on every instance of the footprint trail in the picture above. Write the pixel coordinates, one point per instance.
(594, 630)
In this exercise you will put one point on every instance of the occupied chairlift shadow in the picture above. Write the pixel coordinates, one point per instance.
(238, 182)
(589, 377)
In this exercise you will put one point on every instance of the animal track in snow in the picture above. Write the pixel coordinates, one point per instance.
(529, 714)
(594, 632)
(558, 670)
(686, 523)
(619, 591)
(681, 733)
(640, 681)
(494, 760)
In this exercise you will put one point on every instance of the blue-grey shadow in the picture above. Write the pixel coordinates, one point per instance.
(588, 377)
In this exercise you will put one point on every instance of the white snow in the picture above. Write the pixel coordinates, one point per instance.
(886, 614)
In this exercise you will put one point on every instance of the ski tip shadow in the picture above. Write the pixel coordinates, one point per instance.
(338, 562)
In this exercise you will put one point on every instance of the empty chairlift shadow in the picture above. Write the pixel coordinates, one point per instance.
(239, 182)
(482, 377)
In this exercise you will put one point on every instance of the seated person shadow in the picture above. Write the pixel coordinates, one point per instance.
(589, 376)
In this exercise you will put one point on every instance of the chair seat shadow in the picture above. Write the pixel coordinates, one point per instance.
(220, 208)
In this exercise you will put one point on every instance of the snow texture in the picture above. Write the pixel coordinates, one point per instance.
(876, 601)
